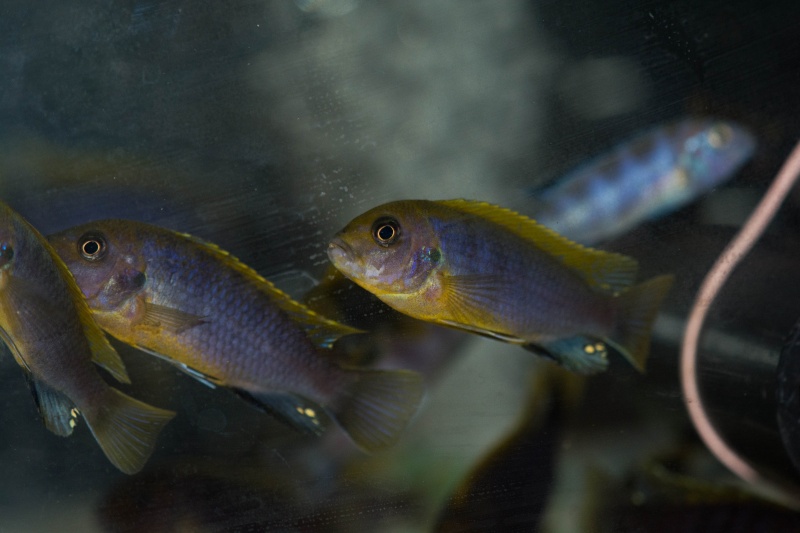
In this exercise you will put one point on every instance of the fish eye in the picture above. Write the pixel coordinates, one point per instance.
(6, 254)
(92, 246)
(386, 231)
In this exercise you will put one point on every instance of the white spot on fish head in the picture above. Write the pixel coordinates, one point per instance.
(373, 273)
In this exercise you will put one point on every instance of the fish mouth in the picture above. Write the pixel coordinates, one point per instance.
(340, 253)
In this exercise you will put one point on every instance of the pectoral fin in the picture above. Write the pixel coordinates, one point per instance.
(175, 320)
(468, 300)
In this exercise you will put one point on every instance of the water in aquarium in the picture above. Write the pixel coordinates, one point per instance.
(401, 266)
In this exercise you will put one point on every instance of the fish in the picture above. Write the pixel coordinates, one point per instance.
(649, 176)
(199, 308)
(505, 489)
(488, 270)
(49, 329)
(676, 491)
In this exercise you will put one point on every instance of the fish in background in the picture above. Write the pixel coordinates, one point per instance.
(49, 329)
(647, 177)
(682, 490)
(509, 488)
(199, 308)
(488, 270)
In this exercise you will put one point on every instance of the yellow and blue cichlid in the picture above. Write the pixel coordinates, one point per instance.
(485, 269)
(49, 329)
(201, 309)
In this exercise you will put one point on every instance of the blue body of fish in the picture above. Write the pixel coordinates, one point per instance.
(649, 176)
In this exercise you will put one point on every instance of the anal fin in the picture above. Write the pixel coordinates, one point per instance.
(292, 410)
(58, 411)
(578, 354)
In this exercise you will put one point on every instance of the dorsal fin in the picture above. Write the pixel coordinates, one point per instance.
(605, 271)
(322, 331)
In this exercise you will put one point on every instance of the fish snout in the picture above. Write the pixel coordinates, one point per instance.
(343, 257)
(339, 250)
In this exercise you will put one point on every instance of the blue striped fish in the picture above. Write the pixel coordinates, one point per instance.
(649, 176)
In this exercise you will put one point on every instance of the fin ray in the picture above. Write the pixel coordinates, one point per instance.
(467, 298)
(169, 318)
(105, 356)
(127, 429)
(57, 410)
(377, 406)
(638, 308)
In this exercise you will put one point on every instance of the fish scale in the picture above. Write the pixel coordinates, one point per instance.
(528, 272)
(218, 347)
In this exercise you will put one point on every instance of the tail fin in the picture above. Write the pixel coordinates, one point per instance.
(376, 407)
(638, 307)
(127, 429)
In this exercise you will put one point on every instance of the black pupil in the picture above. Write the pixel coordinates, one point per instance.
(386, 232)
(91, 247)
